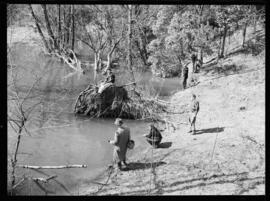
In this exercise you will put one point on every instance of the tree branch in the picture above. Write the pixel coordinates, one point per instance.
(52, 167)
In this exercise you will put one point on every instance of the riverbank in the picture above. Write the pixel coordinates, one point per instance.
(227, 154)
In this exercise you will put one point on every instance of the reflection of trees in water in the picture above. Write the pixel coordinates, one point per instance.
(53, 93)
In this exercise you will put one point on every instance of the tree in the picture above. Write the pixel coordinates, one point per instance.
(59, 26)
(100, 32)
(226, 17)
(39, 29)
(130, 9)
(162, 61)
(48, 25)
(142, 34)
(73, 28)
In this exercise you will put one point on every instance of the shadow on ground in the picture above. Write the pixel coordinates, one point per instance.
(165, 145)
(210, 130)
(141, 166)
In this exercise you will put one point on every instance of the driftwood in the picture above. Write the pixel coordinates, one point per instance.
(15, 186)
(52, 167)
(45, 180)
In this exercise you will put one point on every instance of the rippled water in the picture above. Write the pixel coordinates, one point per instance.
(57, 136)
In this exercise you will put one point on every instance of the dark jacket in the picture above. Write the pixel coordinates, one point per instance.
(193, 58)
(154, 133)
(185, 72)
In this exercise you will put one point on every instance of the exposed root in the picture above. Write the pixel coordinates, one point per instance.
(116, 101)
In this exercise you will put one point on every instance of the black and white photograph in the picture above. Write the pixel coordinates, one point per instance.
(135, 99)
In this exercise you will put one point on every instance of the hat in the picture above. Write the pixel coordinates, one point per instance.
(118, 121)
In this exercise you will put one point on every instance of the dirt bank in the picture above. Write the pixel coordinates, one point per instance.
(225, 157)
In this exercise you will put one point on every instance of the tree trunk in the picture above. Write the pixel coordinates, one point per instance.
(254, 27)
(223, 42)
(244, 34)
(96, 67)
(48, 25)
(59, 26)
(129, 43)
(68, 26)
(64, 29)
(181, 51)
(201, 54)
(109, 60)
(39, 29)
(14, 160)
(220, 43)
(201, 12)
(73, 28)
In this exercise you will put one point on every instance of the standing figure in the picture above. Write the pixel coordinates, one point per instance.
(185, 76)
(120, 142)
(194, 109)
(193, 59)
(154, 137)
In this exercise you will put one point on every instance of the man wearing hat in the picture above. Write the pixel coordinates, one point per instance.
(121, 139)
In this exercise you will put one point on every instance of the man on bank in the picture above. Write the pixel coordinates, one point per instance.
(120, 142)
(185, 76)
(193, 59)
(154, 137)
(194, 109)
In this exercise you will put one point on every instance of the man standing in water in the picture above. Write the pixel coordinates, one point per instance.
(194, 109)
(121, 139)
(185, 76)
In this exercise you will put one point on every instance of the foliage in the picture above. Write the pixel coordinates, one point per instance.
(163, 36)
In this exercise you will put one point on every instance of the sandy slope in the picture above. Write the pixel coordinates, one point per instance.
(226, 156)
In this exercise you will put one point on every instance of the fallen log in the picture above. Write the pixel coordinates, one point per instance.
(52, 167)
(45, 180)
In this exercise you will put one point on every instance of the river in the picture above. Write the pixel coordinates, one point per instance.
(58, 137)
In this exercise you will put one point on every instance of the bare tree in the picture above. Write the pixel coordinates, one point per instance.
(39, 29)
(18, 116)
(130, 8)
(73, 28)
(48, 25)
(59, 26)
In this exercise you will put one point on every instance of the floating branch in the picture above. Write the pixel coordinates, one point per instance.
(52, 167)
(13, 187)
(45, 180)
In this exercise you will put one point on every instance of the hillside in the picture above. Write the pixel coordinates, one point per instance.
(227, 154)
